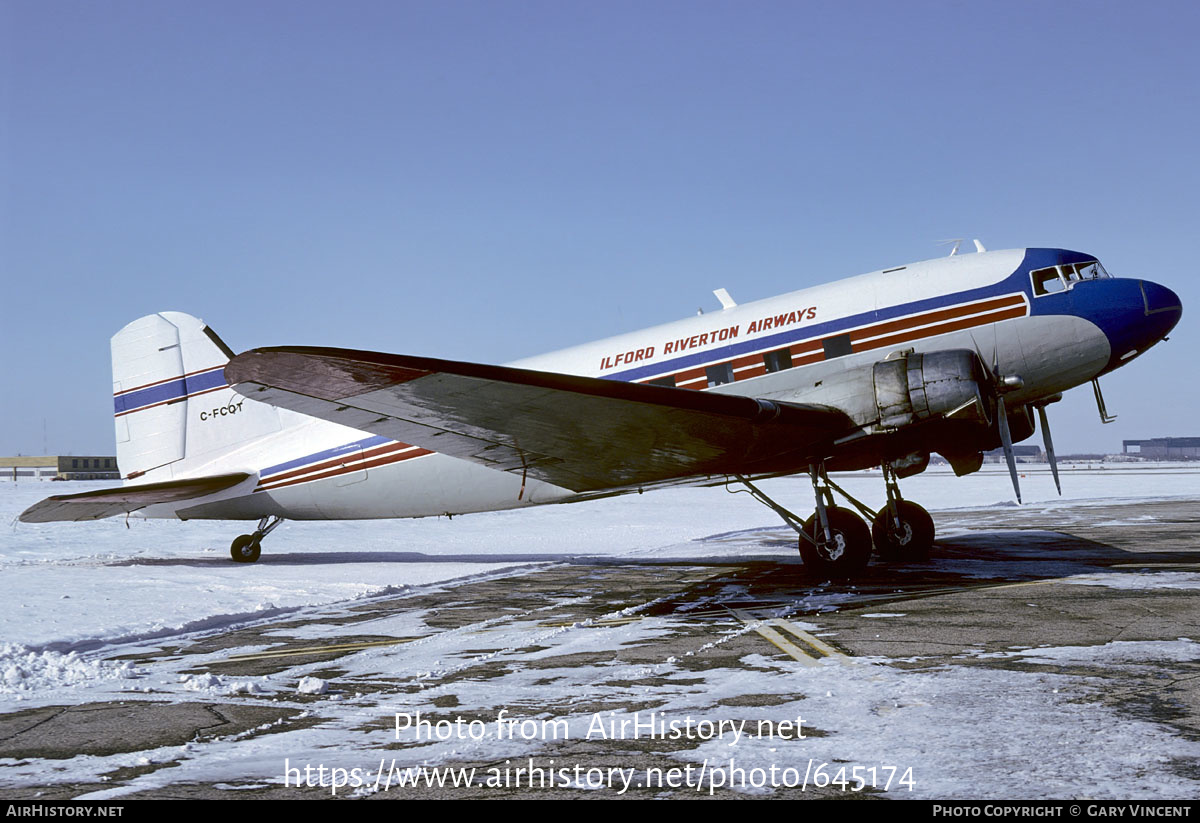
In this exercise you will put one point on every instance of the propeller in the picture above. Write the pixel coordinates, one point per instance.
(1001, 385)
(1044, 422)
(1006, 441)
(1006, 383)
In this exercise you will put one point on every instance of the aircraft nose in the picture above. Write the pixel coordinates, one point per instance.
(1133, 328)
(1159, 299)
(1161, 310)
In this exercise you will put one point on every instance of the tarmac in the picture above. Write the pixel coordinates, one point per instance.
(995, 582)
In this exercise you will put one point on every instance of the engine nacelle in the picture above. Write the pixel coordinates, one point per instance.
(916, 387)
(914, 403)
(965, 453)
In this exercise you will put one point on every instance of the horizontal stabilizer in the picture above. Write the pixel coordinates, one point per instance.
(579, 433)
(95, 505)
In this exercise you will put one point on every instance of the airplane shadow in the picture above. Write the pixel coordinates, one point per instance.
(509, 559)
(1010, 554)
(959, 562)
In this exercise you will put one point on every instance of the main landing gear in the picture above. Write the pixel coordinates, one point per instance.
(901, 530)
(247, 548)
(835, 542)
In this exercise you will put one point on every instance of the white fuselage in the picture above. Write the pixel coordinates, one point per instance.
(313, 469)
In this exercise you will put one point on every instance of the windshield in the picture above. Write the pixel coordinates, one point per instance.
(1091, 270)
(1053, 279)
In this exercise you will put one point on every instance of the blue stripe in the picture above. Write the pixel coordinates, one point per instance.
(299, 462)
(820, 330)
(1018, 281)
(175, 389)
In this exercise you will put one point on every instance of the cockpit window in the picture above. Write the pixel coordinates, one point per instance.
(1053, 279)
(1047, 281)
(1092, 270)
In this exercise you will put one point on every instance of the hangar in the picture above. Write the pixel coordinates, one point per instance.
(1163, 448)
(60, 467)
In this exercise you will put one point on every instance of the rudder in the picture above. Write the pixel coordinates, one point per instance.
(174, 412)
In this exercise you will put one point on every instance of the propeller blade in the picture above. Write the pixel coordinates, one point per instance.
(1044, 421)
(1006, 441)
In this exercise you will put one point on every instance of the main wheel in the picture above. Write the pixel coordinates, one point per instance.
(846, 554)
(246, 548)
(911, 541)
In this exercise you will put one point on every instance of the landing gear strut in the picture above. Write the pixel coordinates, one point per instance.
(247, 548)
(901, 530)
(835, 542)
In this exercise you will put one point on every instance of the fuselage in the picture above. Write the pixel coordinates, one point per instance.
(1054, 317)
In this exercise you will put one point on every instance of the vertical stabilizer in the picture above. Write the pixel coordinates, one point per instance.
(174, 412)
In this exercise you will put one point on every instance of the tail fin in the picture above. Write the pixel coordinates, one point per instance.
(174, 412)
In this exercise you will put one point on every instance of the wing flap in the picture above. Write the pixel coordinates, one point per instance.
(580, 433)
(96, 505)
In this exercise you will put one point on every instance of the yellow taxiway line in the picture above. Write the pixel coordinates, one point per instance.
(303, 650)
(769, 630)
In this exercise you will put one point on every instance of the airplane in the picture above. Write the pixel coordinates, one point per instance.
(952, 355)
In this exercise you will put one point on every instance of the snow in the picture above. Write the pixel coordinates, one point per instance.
(312, 685)
(77, 594)
(147, 579)
(24, 672)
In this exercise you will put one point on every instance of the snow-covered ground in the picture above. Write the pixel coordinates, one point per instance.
(65, 584)
(73, 593)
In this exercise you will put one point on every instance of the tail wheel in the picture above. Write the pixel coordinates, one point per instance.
(246, 548)
(847, 552)
(908, 542)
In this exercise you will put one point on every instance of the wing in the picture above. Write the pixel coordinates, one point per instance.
(95, 505)
(579, 433)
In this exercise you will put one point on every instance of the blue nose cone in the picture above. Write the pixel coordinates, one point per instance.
(1161, 300)
(1162, 308)
(1141, 326)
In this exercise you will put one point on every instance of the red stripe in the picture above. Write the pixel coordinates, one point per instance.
(936, 316)
(167, 380)
(340, 460)
(345, 469)
(813, 351)
(957, 325)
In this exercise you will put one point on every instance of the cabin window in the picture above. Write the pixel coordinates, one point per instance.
(838, 346)
(778, 360)
(719, 374)
(668, 381)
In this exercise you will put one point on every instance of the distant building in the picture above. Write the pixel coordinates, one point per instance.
(1022, 454)
(1163, 448)
(60, 467)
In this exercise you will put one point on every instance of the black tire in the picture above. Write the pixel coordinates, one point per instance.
(910, 544)
(246, 548)
(849, 552)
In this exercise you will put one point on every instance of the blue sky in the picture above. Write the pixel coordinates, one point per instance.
(489, 180)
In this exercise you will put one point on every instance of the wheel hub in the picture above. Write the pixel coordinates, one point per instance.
(835, 548)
